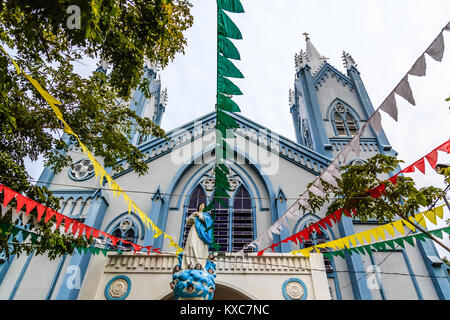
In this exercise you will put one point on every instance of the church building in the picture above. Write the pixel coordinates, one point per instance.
(267, 174)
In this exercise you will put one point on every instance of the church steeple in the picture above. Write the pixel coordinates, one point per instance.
(313, 58)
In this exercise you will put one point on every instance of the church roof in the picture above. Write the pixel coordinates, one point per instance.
(187, 133)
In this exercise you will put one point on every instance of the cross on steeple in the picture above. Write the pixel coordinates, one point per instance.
(306, 34)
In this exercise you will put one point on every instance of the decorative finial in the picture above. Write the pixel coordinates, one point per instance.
(306, 34)
(348, 60)
(291, 97)
(164, 97)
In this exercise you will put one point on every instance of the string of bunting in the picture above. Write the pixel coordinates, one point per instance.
(381, 246)
(71, 226)
(226, 50)
(331, 174)
(99, 169)
(378, 232)
(375, 192)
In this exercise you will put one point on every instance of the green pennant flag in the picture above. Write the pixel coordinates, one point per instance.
(104, 251)
(25, 235)
(380, 246)
(447, 230)
(437, 233)
(391, 244)
(94, 250)
(227, 48)
(421, 236)
(226, 120)
(34, 237)
(230, 5)
(225, 132)
(227, 87)
(368, 249)
(360, 249)
(410, 240)
(328, 255)
(226, 104)
(399, 242)
(226, 27)
(80, 250)
(226, 68)
(15, 232)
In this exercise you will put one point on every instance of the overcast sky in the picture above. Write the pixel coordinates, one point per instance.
(384, 37)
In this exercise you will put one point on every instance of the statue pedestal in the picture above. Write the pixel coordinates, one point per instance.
(194, 284)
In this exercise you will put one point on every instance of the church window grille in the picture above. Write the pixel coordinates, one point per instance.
(242, 219)
(124, 230)
(344, 121)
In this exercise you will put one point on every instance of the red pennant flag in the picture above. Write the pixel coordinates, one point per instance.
(87, 231)
(327, 220)
(354, 211)
(444, 147)
(113, 239)
(293, 238)
(95, 233)
(75, 225)
(149, 249)
(59, 218)
(157, 250)
(393, 179)
(347, 213)
(136, 247)
(21, 200)
(378, 191)
(305, 234)
(29, 205)
(322, 223)
(408, 169)
(40, 211)
(8, 195)
(81, 227)
(259, 254)
(49, 214)
(1, 188)
(273, 246)
(432, 158)
(67, 223)
(338, 214)
(316, 227)
(420, 164)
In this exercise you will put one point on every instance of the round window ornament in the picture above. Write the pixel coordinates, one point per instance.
(341, 108)
(118, 288)
(125, 224)
(82, 170)
(294, 289)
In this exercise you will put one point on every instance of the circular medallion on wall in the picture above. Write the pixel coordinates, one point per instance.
(118, 288)
(82, 170)
(294, 289)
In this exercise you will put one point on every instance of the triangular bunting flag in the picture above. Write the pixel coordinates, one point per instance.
(389, 228)
(420, 164)
(431, 216)
(399, 242)
(419, 68)
(8, 195)
(40, 211)
(399, 226)
(391, 244)
(21, 200)
(436, 49)
(49, 214)
(404, 90)
(410, 240)
(390, 106)
(409, 225)
(420, 220)
(437, 233)
(432, 158)
(230, 5)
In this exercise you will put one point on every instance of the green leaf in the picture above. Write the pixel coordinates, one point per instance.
(226, 27)
(226, 68)
(227, 48)
(230, 5)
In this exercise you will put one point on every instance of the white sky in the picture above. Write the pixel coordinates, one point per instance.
(384, 37)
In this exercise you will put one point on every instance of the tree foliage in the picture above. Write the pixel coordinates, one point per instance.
(40, 36)
(352, 192)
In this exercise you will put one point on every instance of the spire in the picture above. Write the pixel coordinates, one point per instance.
(348, 60)
(313, 58)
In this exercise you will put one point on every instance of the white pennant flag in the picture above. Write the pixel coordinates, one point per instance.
(375, 121)
(354, 144)
(335, 171)
(436, 49)
(15, 216)
(419, 68)
(328, 177)
(403, 89)
(25, 218)
(344, 153)
(317, 191)
(318, 184)
(390, 106)
(4, 210)
(447, 27)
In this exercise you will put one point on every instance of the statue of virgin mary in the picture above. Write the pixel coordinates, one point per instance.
(200, 237)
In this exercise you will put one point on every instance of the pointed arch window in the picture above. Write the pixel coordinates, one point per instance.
(126, 230)
(242, 219)
(344, 121)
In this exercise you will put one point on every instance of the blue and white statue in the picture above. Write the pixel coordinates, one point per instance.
(193, 278)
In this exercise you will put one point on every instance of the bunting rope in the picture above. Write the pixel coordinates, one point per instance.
(436, 51)
(378, 232)
(71, 226)
(99, 170)
(375, 192)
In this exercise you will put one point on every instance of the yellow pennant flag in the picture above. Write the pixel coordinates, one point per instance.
(409, 225)
(13, 61)
(420, 219)
(389, 228)
(380, 231)
(366, 235)
(439, 211)
(398, 225)
(339, 243)
(431, 216)
(374, 233)
(306, 251)
(352, 240)
(157, 233)
(346, 242)
(360, 238)
(51, 101)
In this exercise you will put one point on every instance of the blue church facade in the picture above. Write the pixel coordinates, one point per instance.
(267, 174)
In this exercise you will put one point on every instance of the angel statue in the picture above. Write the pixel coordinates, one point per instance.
(199, 239)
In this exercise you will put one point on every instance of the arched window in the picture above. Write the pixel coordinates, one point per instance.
(126, 230)
(316, 238)
(198, 196)
(221, 226)
(344, 121)
(242, 219)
